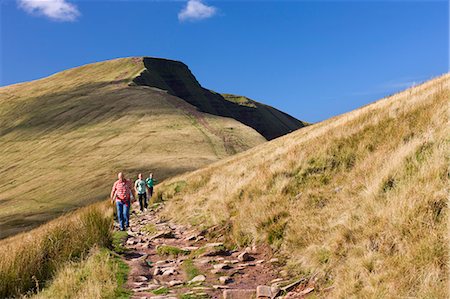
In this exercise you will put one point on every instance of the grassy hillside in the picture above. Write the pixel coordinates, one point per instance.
(359, 200)
(64, 138)
(29, 260)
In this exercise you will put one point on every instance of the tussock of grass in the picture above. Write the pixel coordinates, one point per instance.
(170, 250)
(190, 269)
(359, 200)
(101, 275)
(194, 296)
(29, 260)
(161, 291)
(150, 229)
(118, 241)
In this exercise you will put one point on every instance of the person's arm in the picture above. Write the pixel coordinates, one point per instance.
(133, 195)
(135, 186)
(113, 193)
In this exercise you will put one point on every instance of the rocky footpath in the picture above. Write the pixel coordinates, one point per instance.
(168, 261)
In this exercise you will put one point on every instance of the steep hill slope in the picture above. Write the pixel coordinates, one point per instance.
(63, 138)
(359, 201)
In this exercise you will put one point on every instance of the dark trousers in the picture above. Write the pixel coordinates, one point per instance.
(150, 192)
(143, 202)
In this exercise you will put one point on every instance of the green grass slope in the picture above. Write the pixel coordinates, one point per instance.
(177, 79)
(64, 138)
(359, 201)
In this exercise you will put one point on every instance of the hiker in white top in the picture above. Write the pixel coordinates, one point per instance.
(141, 190)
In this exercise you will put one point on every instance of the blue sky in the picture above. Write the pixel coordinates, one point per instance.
(312, 59)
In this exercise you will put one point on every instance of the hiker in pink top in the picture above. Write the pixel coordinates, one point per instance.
(121, 194)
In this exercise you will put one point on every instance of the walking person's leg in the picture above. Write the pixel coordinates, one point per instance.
(141, 202)
(120, 218)
(145, 200)
(126, 214)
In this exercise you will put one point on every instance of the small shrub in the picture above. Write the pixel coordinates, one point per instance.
(118, 240)
(150, 229)
(171, 250)
(190, 269)
(161, 291)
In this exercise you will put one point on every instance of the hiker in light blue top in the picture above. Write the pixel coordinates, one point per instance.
(150, 183)
(141, 191)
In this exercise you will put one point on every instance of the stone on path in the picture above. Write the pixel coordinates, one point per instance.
(221, 266)
(220, 287)
(169, 271)
(216, 271)
(263, 292)
(276, 280)
(225, 279)
(163, 235)
(141, 278)
(245, 257)
(191, 238)
(212, 251)
(274, 260)
(239, 294)
(190, 248)
(157, 271)
(198, 278)
(173, 283)
(292, 286)
(147, 288)
(132, 241)
(275, 289)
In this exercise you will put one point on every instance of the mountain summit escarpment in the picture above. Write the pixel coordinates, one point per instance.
(176, 78)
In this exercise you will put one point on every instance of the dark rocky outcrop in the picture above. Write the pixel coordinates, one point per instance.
(176, 78)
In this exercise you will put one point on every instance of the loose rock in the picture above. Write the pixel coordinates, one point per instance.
(141, 278)
(173, 283)
(245, 257)
(198, 278)
(263, 292)
(239, 294)
(169, 271)
(274, 260)
(220, 287)
(222, 267)
(225, 279)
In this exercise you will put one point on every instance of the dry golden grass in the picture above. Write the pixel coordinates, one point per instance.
(64, 138)
(29, 260)
(360, 200)
(93, 278)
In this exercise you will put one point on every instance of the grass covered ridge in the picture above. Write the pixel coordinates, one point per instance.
(360, 199)
(29, 261)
